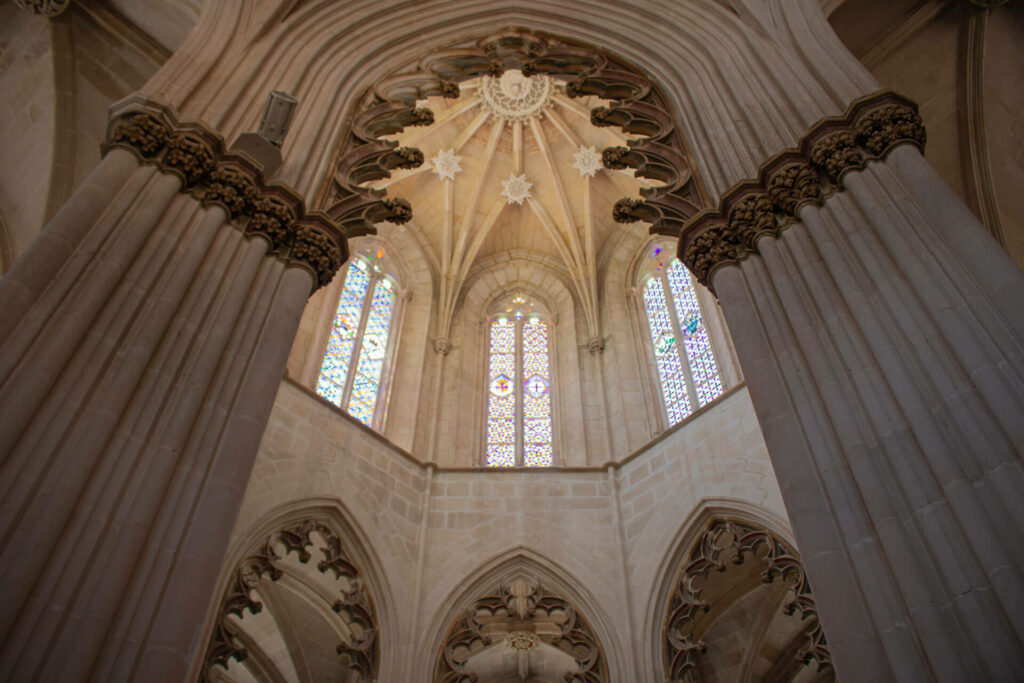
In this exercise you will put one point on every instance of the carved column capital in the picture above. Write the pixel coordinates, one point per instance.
(881, 129)
(197, 155)
(43, 8)
(790, 180)
(837, 153)
(793, 186)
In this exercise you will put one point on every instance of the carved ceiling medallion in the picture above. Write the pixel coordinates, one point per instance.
(447, 164)
(515, 97)
(516, 188)
(587, 161)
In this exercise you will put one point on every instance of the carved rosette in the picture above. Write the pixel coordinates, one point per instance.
(215, 177)
(789, 181)
(523, 614)
(354, 606)
(723, 545)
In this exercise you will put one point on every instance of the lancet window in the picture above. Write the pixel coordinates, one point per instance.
(686, 367)
(353, 368)
(519, 419)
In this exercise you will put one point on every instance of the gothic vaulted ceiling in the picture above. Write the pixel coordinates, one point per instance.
(513, 165)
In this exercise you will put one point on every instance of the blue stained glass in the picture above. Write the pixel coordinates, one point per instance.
(706, 380)
(670, 369)
(334, 371)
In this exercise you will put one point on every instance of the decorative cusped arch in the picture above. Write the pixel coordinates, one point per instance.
(305, 556)
(724, 552)
(522, 600)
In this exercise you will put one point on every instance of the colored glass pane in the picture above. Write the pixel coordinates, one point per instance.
(371, 354)
(706, 380)
(334, 371)
(536, 397)
(519, 344)
(501, 418)
(670, 369)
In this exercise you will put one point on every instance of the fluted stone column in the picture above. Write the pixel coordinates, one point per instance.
(881, 332)
(143, 337)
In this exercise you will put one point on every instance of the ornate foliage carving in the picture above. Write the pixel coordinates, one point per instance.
(726, 544)
(881, 129)
(836, 153)
(792, 179)
(792, 186)
(45, 8)
(143, 133)
(196, 155)
(636, 106)
(264, 564)
(521, 614)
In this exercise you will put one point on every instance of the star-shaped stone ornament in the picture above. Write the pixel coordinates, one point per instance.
(516, 188)
(446, 164)
(587, 161)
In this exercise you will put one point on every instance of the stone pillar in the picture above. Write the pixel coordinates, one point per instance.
(881, 332)
(142, 340)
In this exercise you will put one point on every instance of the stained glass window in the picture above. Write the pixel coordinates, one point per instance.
(686, 363)
(359, 338)
(519, 411)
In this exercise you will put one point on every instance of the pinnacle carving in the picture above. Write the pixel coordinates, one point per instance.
(196, 155)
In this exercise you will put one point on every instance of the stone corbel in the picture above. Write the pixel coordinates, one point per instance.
(231, 180)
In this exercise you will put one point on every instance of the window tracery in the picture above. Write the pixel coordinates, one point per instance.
(687, 371)
(519, 419)
(352, 373)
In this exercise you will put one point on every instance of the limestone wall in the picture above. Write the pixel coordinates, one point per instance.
(608, 530)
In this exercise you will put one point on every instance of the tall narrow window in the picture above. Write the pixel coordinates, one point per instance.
(350, 376)
(686, 364)
(519, 390)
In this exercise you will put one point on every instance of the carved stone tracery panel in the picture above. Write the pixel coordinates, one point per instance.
(723, 546)
(359, 653)
(521, 615)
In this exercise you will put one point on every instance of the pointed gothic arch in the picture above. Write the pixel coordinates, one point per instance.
(724, 552)
(288, 547)
(587, 634)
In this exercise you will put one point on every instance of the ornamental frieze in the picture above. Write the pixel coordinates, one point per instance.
(197, 155)
(871, 127)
